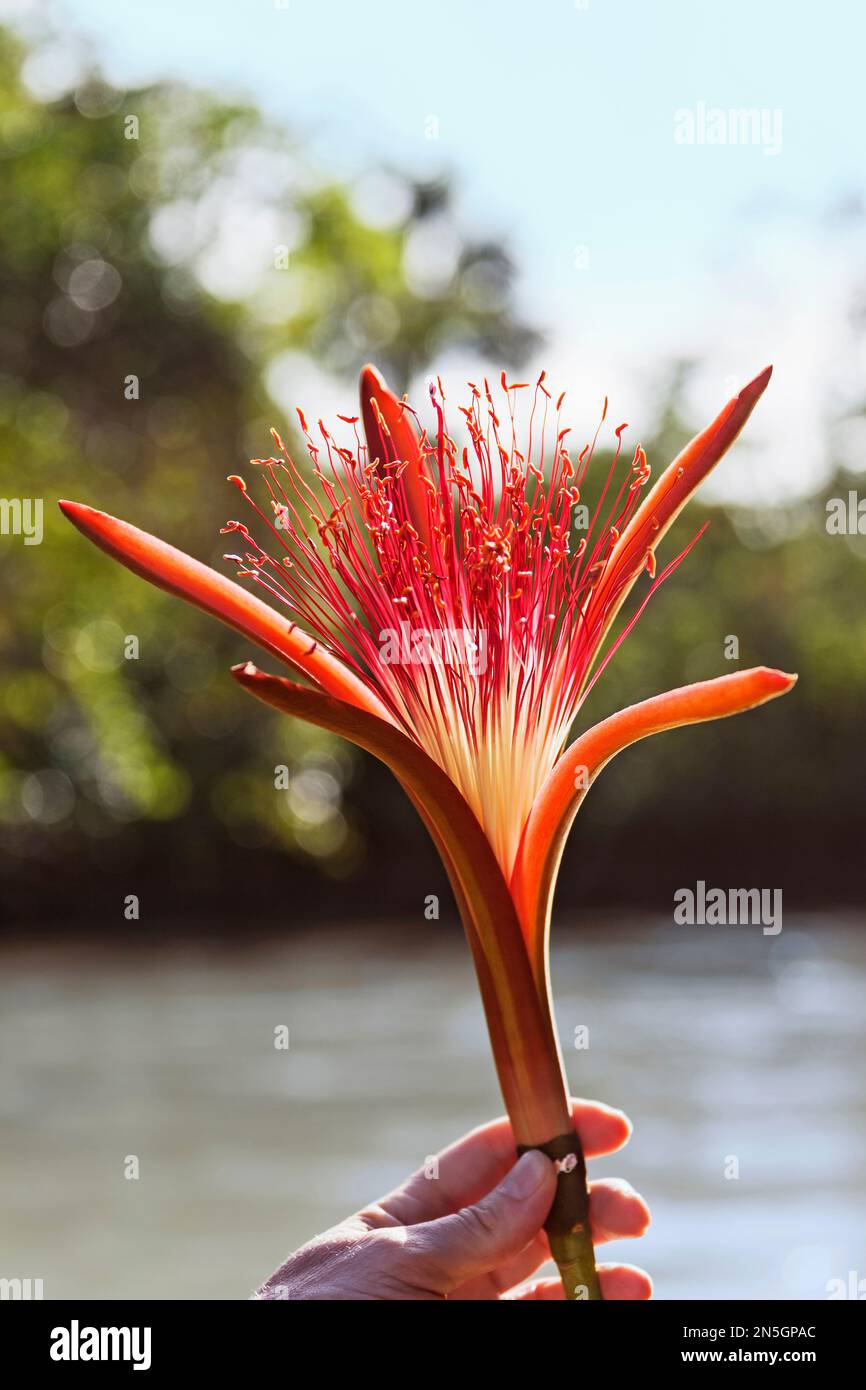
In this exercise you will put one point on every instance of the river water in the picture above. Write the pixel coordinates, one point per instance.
(738, 1056)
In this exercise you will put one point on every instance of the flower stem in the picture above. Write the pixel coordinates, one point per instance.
(567, 1225)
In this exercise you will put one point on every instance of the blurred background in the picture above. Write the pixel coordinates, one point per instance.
(237, 205)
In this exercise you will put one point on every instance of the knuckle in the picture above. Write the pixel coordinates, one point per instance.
(479, 1223)
(402, 1262)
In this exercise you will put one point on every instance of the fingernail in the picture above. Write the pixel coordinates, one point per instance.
(527, 1175)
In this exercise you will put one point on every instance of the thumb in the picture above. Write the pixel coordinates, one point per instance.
(477, 1239)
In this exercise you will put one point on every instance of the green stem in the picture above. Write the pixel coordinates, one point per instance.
(567, 1224)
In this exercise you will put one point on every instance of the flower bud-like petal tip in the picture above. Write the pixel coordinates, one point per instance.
(179, 574)
(76, 511)
(778, 681)
(757, 386)
(372, 379)
(391, 434)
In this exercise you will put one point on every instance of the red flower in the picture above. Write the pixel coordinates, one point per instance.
(451, 619)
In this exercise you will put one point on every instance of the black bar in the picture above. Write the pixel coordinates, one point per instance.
(248, 1338)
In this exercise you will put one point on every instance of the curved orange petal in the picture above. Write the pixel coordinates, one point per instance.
(664, 502)
(390, 431)
(179, 574)
(556, 805)
(521, 1031)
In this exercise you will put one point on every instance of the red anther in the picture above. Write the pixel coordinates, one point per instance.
(515, 385)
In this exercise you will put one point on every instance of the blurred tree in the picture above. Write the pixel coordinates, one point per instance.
(167, 261)
(169, 266)
(773, 796)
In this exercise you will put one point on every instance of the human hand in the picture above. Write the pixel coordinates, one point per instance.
(472, 1232)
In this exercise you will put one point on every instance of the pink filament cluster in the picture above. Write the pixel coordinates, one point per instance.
(490, 550)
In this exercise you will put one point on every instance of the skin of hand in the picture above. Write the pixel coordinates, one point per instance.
(469, 1226)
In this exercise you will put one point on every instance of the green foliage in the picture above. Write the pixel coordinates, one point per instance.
(208, 261)
(191, 257)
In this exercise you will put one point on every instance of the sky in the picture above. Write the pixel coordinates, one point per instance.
(601, 139)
